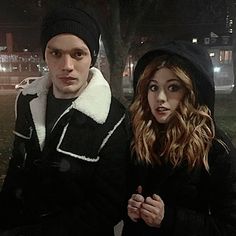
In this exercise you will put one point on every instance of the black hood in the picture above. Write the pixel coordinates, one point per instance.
(198, 62)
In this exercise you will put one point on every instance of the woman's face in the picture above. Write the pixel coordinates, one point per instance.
(165, 92)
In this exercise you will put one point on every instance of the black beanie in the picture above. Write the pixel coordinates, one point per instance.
(73, 21)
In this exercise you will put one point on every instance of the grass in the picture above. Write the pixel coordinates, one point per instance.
(225, 115)
(6, 128)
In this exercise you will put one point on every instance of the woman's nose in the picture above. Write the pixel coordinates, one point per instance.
(161, 96)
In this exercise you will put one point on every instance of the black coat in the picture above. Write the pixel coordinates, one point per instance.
(73, 182)
(197, 203)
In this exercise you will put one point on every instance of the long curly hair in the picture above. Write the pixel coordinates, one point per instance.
(188, 135)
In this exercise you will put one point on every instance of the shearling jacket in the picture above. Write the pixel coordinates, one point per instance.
(74, 181)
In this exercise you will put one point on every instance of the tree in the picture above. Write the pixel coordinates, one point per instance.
(121, 23)
(125, 22)
(118, 20)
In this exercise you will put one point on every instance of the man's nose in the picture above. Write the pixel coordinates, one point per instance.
(67, 63)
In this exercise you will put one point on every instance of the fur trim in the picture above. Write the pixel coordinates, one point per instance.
(94, 101)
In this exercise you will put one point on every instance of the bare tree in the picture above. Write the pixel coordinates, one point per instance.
(119, 21)
(123, 23)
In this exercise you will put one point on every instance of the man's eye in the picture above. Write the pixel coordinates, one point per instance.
(78, 55)
(55, 53)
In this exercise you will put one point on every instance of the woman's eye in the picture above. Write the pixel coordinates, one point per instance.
(153, 87)
(174, 87)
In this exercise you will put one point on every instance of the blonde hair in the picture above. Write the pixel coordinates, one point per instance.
(189, 134)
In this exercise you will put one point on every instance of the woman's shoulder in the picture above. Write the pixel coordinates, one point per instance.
(222, 155)
(222, 143)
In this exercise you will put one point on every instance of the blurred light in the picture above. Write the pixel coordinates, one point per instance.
(3, 69)
(194, 40)
(45, 68)
(217, 69)
(212, 54)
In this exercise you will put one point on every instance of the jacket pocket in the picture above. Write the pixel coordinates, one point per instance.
(85, 147)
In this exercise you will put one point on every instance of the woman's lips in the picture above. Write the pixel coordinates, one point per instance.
(162, 109)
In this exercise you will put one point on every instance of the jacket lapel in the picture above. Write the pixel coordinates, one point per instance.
(38, 111)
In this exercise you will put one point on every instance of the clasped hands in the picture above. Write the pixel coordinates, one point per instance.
(150, 209)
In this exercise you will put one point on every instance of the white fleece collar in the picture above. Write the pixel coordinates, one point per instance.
(94, 101)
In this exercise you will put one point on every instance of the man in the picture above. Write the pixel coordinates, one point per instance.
(67, 175)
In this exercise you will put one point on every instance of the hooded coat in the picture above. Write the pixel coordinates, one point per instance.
(197, 202)
(72, 181)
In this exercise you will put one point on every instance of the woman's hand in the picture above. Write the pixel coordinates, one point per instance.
(134, 205)
(152, 211)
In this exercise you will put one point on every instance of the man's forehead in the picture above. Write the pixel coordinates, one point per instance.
(67, 42)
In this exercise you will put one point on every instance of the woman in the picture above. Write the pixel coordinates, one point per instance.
(183, 178)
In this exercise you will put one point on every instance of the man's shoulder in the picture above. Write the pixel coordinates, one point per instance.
(118, 113)
(117, 107)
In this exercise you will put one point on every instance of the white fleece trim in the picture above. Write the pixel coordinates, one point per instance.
(21, 135)
(40, 86)
(72, 154)
(95, 100)
(38, 110)
(17, 97)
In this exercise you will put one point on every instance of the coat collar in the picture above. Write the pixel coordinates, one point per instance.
(94, 101)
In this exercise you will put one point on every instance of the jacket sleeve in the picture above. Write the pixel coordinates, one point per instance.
(221, 217)
(10, 196)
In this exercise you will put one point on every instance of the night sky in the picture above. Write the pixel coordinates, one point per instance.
(23, 17)
(24, 25)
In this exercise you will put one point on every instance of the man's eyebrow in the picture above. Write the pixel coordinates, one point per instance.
(72, 49)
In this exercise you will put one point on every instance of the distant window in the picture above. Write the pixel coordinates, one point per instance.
(212, 54)
(225, 56)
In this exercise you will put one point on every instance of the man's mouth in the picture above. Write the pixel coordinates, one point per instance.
(67, 80)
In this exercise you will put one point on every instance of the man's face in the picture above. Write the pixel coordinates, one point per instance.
(68, 59)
